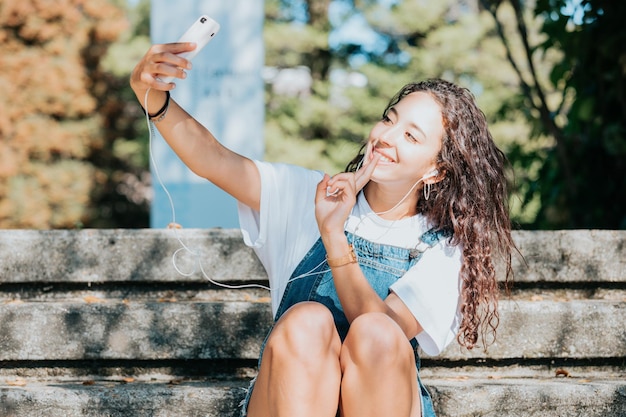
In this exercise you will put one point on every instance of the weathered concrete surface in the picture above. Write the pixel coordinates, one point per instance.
(460, 398)
(124, 255)
(101, 305)
(571, 256)
(547, 329)
(183, 330)
(142, 331)
(121, 400)
(529, 398)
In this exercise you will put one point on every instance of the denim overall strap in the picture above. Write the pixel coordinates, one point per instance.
(382, 265)
(429, 239)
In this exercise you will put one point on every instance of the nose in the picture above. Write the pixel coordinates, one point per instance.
(386, 136)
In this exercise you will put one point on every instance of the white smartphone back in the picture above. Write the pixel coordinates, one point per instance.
(201, 32)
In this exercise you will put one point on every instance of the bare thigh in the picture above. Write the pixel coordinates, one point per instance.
(378, 370)
(299, 372)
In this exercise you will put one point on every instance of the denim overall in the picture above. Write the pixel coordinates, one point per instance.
(382, 265)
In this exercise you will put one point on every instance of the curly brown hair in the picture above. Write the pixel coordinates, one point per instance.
(470, 201)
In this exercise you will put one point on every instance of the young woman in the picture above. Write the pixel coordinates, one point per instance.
(365, 266)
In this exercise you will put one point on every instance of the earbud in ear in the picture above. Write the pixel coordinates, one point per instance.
(432, 173)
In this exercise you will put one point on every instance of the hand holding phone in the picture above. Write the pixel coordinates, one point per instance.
(200, 32)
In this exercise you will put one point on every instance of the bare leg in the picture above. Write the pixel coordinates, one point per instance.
(378, 366)
(300, 373)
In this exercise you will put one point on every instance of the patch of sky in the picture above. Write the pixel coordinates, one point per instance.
(577, 10)
(350, 27)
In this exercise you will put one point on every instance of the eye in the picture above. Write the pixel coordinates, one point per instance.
(410, 137)
(386, 119)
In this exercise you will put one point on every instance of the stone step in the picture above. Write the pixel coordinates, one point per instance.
(113, 399)
(460, 397)
(103, 323)
(123, 255)
(127, 330)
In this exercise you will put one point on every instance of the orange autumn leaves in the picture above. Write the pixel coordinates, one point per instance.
(49, 121)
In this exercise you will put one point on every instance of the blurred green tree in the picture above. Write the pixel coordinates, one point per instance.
(580, 103)
(124, 200)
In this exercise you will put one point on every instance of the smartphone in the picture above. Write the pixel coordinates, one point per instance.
(200, 32)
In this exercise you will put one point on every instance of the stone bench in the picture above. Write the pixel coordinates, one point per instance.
(101, 323)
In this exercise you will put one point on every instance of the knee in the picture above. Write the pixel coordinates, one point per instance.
(375, 339)
(306, 330)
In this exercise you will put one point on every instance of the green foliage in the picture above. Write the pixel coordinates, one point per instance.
(580, 103)
(287, 44)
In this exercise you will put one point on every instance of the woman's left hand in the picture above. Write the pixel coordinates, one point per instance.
(336, 196)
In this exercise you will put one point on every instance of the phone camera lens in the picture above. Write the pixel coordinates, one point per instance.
(202, 20)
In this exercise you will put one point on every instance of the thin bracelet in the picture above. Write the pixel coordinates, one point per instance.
(159, 115)
(350, 258)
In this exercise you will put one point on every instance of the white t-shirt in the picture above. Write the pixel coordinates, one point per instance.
(285, 229)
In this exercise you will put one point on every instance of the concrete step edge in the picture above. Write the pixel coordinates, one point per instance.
(157, 330)
(120, 255)
(458, 398)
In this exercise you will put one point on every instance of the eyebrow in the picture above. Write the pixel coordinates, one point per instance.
(412, 124)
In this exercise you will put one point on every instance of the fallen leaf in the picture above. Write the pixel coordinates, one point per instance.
(458, 378)
(128, 380)
(89, 382)
(90, 299)
(20, 382)
(562, 372)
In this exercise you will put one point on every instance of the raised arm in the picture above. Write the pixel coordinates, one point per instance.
(193, 143)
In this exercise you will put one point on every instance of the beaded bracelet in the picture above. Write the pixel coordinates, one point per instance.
(159, 115)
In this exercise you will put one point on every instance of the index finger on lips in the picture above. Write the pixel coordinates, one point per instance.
(364, 174)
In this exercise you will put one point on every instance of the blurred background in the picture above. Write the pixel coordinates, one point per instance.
(550, 76)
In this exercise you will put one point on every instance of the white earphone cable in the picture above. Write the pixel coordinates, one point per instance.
(184, 247)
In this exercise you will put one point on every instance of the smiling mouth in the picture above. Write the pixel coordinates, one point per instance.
(383, 157)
